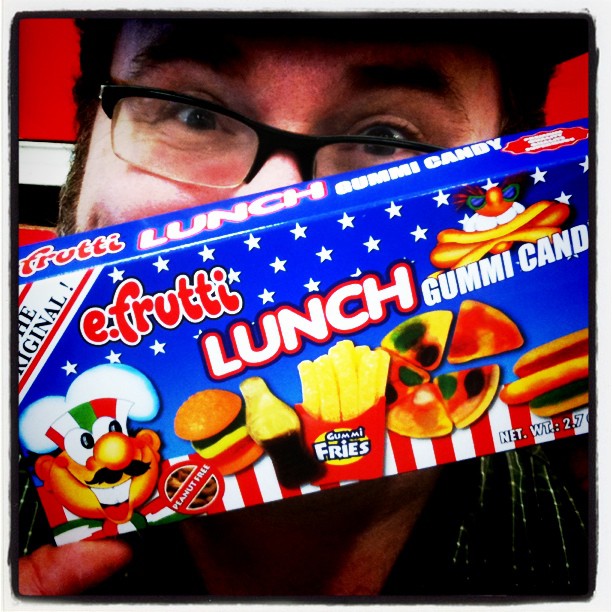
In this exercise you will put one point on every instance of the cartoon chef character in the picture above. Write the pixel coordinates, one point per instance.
(101, 471)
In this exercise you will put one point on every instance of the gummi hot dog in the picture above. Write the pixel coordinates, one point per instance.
(553, 377)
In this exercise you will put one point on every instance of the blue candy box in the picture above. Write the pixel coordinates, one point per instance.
(348, 328)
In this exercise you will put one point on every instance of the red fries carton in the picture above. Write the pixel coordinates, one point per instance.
(349, 450)
(353, 327)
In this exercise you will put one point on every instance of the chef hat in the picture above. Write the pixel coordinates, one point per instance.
(85, 415)
(44, 423)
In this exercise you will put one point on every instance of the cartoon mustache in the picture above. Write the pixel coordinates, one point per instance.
(107, 476)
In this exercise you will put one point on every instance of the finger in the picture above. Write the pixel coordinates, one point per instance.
(71, 568)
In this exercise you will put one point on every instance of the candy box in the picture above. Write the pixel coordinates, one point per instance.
(418, 313)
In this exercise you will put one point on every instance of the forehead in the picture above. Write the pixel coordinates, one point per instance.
(225, 45)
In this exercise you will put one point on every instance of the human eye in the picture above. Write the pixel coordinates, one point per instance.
(384, 131)
(391, 129)
(165, 114)
(196, 118)
(171, 124)
(392, 126)
(184, 138)
(395, 133)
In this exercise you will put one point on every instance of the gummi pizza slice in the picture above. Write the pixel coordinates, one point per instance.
(468, 393)
(419, 413)
(403, 374)
(421, 339)
(482, 331)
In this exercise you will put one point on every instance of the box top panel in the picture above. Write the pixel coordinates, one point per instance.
(213, 222)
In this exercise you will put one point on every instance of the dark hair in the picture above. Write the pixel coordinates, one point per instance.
(525, 50)
(97, 37)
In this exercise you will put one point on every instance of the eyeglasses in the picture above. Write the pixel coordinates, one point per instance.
(195, 141)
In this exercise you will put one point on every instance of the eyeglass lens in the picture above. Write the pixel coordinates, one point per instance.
(199, 146)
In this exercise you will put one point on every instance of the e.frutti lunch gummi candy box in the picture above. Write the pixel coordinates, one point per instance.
(347, 328)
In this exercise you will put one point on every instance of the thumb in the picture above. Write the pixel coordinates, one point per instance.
(72, 568)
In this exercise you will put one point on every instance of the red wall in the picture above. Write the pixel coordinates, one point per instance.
(48, 64)
(568, 96)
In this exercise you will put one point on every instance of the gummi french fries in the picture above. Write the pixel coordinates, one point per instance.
(343, 384)
(311, 396)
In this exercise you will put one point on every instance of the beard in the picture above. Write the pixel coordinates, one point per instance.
(71, 190)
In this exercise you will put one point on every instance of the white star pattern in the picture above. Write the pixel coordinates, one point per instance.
(267, 296)
(299, 231)
(117, 275)
(538, 176)
(279, 265)
(233, 276)
(161, 264)
(585, 164)
(207, 253)
(563, 198)
(220, 322)
(346, 221)
(489, 184)
(419, 233)
(394, 210)
(113, 357)
(371, 244)
(442, 198)
(465, 219)
(252, 242)
(158, 347)
(69, 368)
(324, 254)
(312, 285)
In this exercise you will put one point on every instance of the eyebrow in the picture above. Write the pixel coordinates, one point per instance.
(421, 76)
(213, 51)
(216, 50)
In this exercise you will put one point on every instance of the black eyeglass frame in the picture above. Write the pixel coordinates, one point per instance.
(270, 139)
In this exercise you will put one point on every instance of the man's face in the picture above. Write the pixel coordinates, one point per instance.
(439, 94)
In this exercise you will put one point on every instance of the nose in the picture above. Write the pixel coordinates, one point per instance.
(496, 205)
(279, 170)
(114, 450)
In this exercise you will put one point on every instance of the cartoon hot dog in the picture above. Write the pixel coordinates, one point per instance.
(553, 378)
